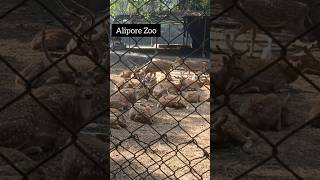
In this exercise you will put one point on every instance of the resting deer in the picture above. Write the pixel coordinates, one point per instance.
(266, 112)
(276, 78)
(125, 98)
(33, 126)
(141, 112)
(77, 166)
(196, 96)
(163, 86)
(172, 101)
(56, 39)
(190, 84)
(117, 119)
(228, 128)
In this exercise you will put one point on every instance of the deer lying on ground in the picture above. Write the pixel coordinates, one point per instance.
(26, 125)
(276, 78)
(223, 79)
(117, 120)
(141, 112)
(49, 77)
(126, 73)
(190, 84)
(125, 98)
(163, 86)
(266, 112)
(76, 165)
(56, 39)
(172, 101)
(196, 96)
(228, 128)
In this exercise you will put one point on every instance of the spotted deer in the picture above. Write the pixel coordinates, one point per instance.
(50, 77)
(55, 38)
(141, 112)
(266, 112)
(227, 128)
(35, 127)
(77, 166)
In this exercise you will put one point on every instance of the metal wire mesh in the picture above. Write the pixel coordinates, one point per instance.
(82, 156)
(166, 133)
(276, 154)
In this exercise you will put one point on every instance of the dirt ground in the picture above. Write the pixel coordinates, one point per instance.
(173, 157)
(299, 151)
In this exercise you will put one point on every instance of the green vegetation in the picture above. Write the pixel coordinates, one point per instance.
(149, 8)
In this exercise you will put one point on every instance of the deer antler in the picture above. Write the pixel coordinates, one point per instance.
(46, 52)
(229, 44)
(91, 14)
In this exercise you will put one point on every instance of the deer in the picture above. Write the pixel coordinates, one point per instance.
(154, 66)
(117, 119)
(289, 15)
(76, 165)
(95, 39)
(314, 113)
(161, 87)
(34, 69)
(196, 96)
(190, 84)
(275, 79)
(125, 98)
(172, 101)
(191, 65)
(33, 129)
(224, 78)
(56, 39)
(266, 112)
(227, 128)
(141, 112)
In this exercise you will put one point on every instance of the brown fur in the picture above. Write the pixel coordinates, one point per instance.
(56, 39)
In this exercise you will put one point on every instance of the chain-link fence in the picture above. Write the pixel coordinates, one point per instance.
(159, 94)
(53, 67)
(266, 94)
